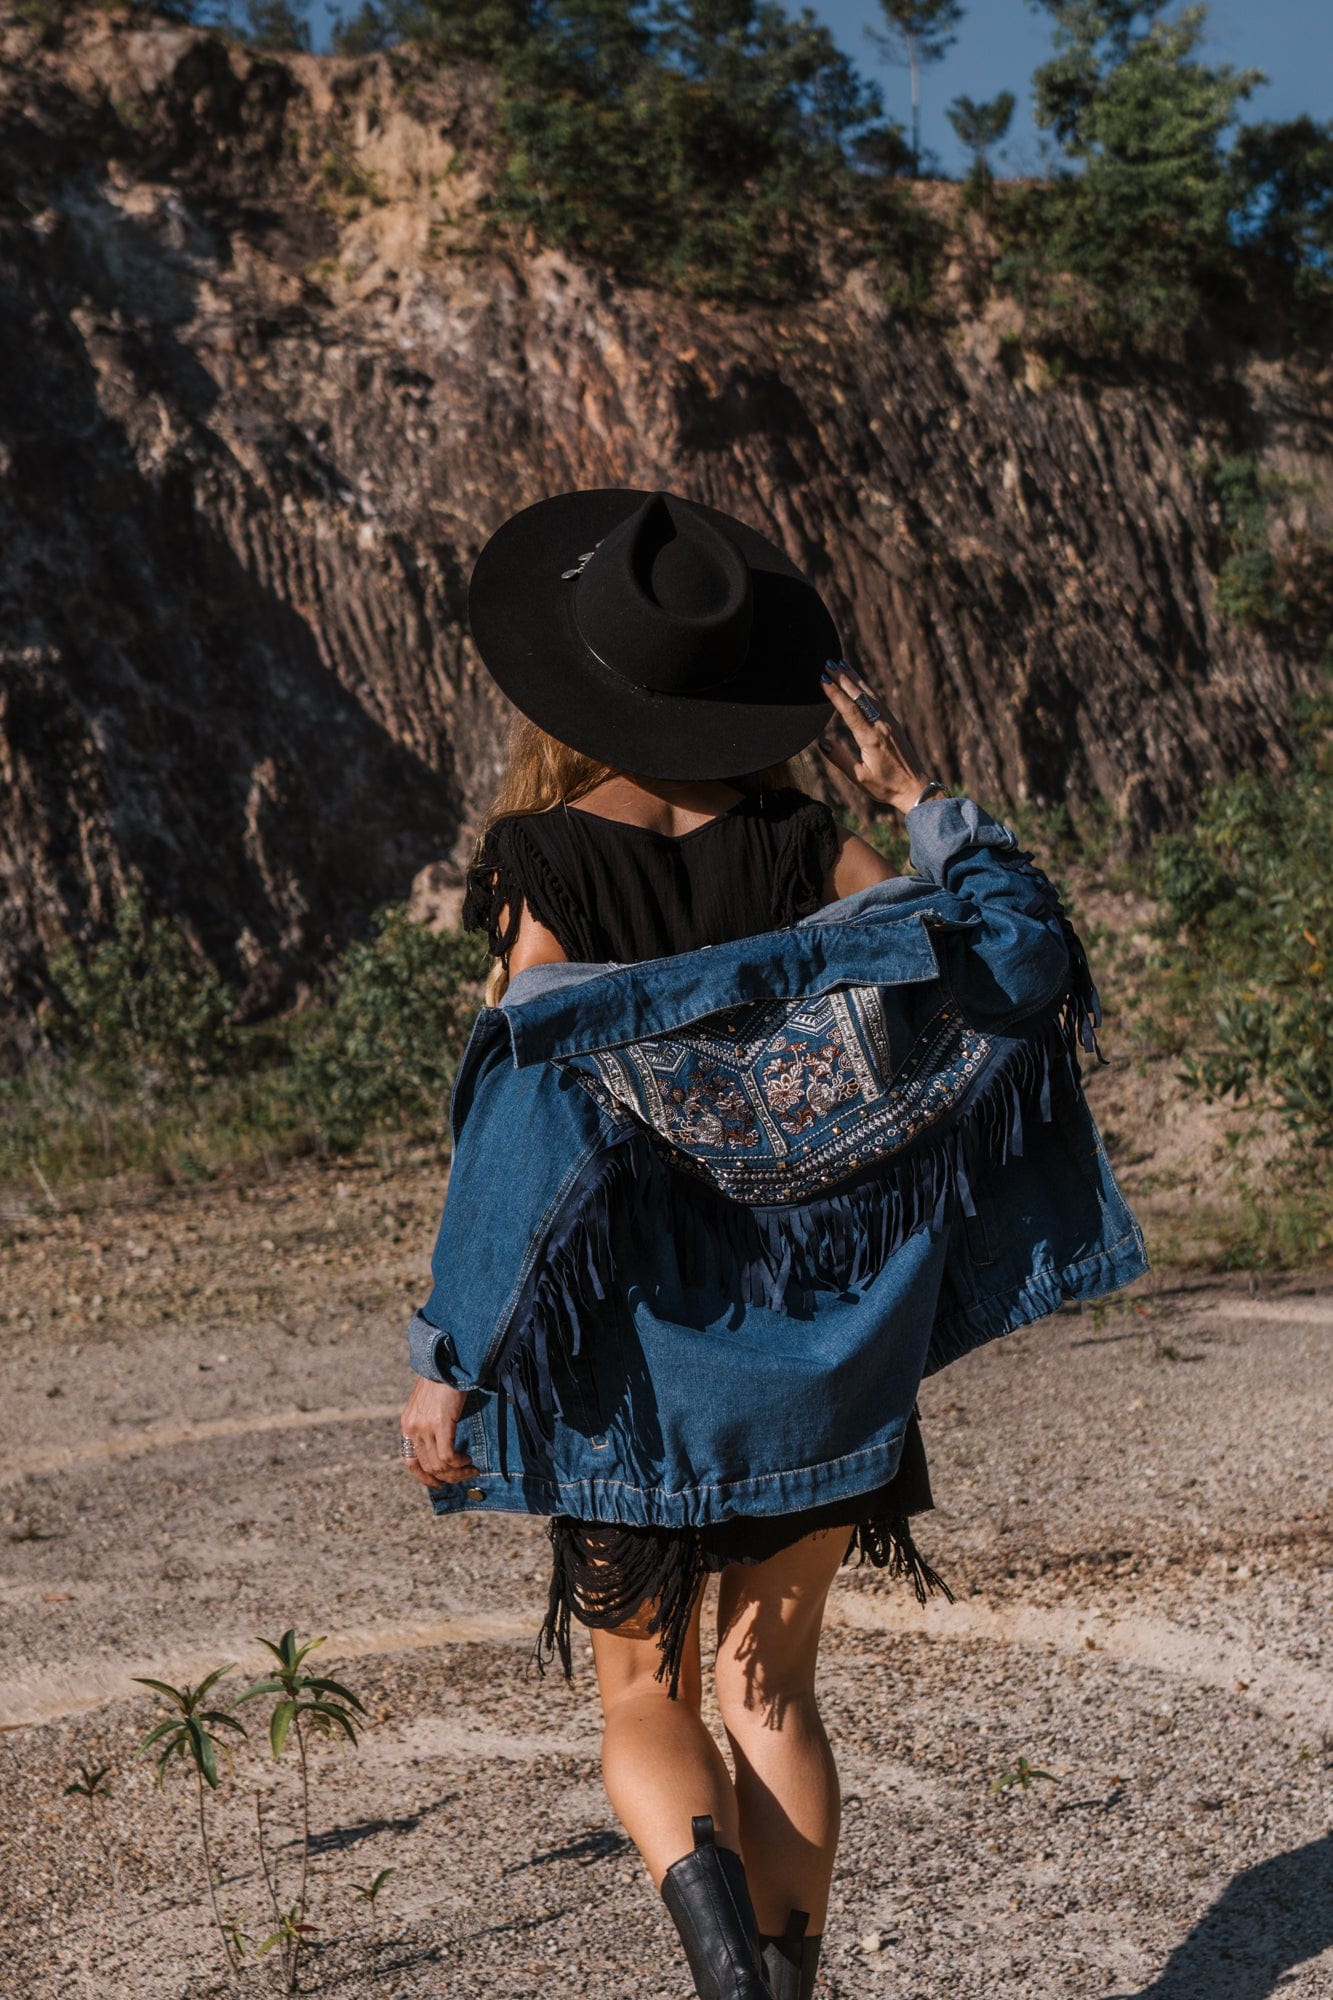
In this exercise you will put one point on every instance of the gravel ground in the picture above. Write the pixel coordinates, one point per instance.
(197, 1401)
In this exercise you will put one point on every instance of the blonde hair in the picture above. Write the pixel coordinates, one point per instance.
(542, 773)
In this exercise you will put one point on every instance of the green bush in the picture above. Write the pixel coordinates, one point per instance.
(388, 1044)
(1246, 936)
(1248, 584)
(142, 1000)
(143, 1069)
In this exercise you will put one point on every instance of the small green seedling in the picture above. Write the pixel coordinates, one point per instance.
(90, 1784)
(93, 1786)
(189, 1733)
(307, 1704)
(1023, 1773)
(287, 1936)
(369, 1891)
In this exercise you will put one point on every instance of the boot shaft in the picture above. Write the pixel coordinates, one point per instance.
(709, 1903)
(792, 1960)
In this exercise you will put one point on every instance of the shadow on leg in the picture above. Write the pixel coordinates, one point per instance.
(670, 1786)
(769, 1621)
(660, 1764)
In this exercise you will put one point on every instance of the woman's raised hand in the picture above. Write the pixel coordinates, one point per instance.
(883, 762)
(430, 1418)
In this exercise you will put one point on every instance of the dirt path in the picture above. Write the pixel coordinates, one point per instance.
(197, 1405)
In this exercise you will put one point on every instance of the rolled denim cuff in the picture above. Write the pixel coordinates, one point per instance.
(431, 1353)
(942, 829)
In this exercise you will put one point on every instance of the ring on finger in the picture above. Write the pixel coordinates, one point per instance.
(406, 1448)
(868, 708)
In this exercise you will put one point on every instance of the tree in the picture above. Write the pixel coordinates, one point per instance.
(917, 32)
(979, 127)
(1283, 195)
(687, 139)
(279, 25)
(1143, 211)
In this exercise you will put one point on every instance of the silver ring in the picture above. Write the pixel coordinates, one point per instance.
(407, 1448)
(868, 708)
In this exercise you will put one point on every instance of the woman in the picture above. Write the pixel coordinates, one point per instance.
(650, 818)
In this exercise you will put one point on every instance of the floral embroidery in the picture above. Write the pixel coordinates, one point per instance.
(712, 1110)
(808, 1083)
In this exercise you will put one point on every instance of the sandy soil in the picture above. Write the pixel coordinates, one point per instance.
(197, 1403)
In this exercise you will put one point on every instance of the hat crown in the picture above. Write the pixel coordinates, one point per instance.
(666, 600)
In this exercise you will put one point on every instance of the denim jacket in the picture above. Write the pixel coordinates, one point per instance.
(712, 1217)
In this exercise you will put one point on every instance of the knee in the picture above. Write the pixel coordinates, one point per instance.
(628, 1679)
(641, 1694)
(758, 1690)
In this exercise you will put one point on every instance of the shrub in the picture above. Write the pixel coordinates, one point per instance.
(1248, 588)
(1247, 931)
(144, 1069)
(142, 999)
(387, 1047)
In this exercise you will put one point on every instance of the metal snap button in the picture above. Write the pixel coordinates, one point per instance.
(475, 1493)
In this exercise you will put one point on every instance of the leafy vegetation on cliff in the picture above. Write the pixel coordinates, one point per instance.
(715, 142)
(730, 148)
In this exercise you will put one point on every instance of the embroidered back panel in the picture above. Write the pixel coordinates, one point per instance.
(778, 1101)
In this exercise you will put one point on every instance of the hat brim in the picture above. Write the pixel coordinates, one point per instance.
(521, 616)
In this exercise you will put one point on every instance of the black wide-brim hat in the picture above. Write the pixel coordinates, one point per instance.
(652, 633)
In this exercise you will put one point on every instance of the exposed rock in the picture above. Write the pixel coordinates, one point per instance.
(267, 382)
(437, 897)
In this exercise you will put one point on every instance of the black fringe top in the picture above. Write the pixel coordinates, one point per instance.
(612, 891)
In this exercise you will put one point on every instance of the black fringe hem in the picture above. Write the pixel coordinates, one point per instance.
(608, 1576)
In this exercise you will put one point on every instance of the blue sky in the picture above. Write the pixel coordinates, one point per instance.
(1002, 41)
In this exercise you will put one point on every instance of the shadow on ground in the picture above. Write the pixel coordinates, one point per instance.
(1266, 1921)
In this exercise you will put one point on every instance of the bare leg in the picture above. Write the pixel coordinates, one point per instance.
(660, 1764)
(769, 1621)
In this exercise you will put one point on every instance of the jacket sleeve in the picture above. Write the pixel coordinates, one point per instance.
(1019, 955)
(521, 1137)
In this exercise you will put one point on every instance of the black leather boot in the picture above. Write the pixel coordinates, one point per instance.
(792, 1960)
(710, 1906)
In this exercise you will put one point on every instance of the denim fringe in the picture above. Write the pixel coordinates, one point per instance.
(776, 1258)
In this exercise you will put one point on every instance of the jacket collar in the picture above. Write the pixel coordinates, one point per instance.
(879, 937)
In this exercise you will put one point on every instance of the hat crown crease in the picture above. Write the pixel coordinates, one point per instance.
(666, 601)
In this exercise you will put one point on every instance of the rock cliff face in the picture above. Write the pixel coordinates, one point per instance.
(267, 382)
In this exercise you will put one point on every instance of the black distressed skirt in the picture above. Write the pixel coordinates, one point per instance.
(604, 1574)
